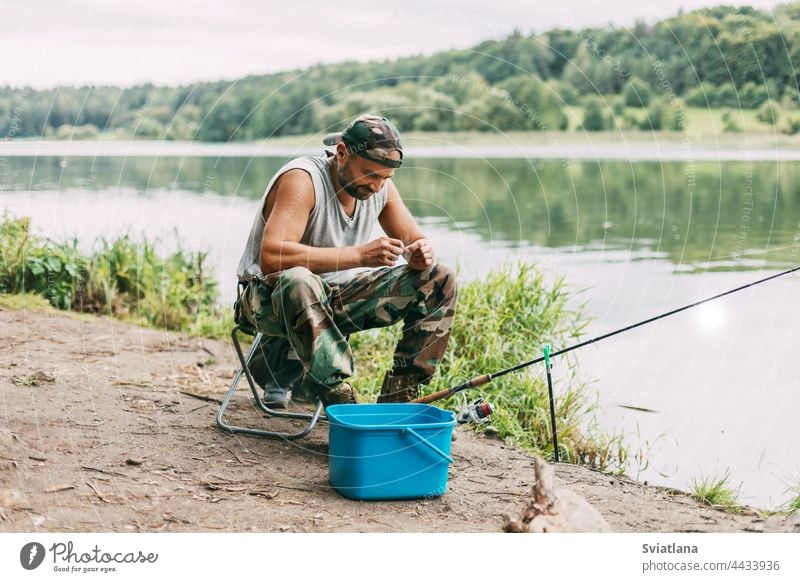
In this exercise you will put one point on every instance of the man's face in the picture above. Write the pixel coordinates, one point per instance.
(362, 178)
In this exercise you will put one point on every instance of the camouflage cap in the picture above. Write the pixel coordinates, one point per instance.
(371, 137)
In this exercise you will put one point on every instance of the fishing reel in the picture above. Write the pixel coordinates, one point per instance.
(477, 412)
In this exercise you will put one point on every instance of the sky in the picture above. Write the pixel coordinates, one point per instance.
(46, 43)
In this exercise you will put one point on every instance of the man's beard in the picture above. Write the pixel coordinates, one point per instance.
(345, 177)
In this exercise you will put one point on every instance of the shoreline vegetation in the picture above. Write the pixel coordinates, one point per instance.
(559, 146)
(500, 319)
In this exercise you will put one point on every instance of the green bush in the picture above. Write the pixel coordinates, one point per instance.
(29, 264)
(594, 115)
(657, 116)
(637, 93)
(729, 123)
(123, 278)
(769, 112)
(791, 126)
(676, 116)
(725, 96)
(752, 95)
(563, 91)
(702, 95)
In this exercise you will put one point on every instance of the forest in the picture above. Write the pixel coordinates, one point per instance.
(726, 59)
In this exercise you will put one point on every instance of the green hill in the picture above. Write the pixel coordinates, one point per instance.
(638, 77)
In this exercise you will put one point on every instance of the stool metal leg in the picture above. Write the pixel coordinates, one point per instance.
(245, 371)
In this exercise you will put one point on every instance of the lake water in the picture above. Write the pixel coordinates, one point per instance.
(638, 237)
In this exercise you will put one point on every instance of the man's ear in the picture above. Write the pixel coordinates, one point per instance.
(341, 150)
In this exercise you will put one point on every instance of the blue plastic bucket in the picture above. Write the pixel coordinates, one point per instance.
(389, 451)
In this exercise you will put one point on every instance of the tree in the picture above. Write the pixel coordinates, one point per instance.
(637, 93)
(729, 123)
(769, 112)
(676, 116)
(702, 95)
(594, 118)
(655, 116)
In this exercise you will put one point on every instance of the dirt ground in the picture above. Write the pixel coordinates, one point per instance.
(105, 426)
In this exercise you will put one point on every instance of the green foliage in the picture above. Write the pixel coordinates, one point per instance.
(537, 104)
(29, 264)
(594, 115)
(790, 125)
(748, 96)
(563, 92)
(718, 57)
(28, 301)
(716, 491)
(769, 112)
(637, 93)
(725, 96)
(791, 507)
(753, 95)
(676, 117)
(494, 111)
(729, 123)
(502, 320)
(657, 116)
(122, 278)
(702, 95)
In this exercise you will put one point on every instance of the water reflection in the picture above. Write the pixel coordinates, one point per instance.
(722, 217)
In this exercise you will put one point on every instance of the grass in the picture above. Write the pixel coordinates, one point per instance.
(122, 278)
(716, 491)
(502, 320)
(792, 506)
(26, 380)
(27, 301)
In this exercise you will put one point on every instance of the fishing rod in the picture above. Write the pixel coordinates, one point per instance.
(486, 378)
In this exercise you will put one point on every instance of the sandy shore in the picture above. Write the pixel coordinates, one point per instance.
(106, 426)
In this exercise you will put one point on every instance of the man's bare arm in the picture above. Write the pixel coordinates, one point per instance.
(288, 208)
(397, 222)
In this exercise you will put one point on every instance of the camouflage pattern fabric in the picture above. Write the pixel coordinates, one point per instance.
(272, 367)
(371, 137)
(315, 317)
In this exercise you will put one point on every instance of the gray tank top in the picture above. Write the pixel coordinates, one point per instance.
(328, 225)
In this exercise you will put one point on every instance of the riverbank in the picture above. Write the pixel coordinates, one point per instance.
(571, 145)
(108, 426)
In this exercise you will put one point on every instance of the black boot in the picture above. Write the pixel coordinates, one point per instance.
(400, 388)
(275, 372)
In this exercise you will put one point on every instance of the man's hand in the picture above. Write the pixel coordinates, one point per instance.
(419, 254)
(382, 252)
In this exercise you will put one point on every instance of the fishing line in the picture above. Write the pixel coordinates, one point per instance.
(486, 378)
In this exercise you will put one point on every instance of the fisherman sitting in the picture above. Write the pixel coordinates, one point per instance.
(311, 274)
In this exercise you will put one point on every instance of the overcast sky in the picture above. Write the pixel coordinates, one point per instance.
(58, 42)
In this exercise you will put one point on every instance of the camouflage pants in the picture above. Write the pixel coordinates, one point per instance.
(315, 316)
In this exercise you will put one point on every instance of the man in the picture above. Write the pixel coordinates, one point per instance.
(313, 275)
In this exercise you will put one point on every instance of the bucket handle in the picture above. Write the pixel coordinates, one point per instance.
(430, 445)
